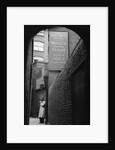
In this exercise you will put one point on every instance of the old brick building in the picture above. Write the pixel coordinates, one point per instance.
(67, 92)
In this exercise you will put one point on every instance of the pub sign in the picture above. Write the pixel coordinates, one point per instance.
(58, 50)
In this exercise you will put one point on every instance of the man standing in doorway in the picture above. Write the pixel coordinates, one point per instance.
(42, 110)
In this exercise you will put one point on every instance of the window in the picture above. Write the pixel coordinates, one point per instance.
(41, 33)
(38, 46)
(41, 44)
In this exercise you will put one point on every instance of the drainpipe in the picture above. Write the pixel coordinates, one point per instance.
(46, 88)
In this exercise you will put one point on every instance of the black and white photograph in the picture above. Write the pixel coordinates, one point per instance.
(57, 75)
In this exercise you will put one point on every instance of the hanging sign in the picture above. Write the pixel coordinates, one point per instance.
(58, 50)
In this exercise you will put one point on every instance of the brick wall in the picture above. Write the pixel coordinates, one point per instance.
(52, 76)
(60, 94)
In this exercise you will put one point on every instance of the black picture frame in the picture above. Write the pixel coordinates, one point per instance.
(3, 11)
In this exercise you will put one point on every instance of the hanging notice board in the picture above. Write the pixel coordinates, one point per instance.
(58, 50)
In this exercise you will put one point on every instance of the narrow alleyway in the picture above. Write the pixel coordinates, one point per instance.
(57, 76)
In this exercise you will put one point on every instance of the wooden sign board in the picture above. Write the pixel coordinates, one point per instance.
(58, 50)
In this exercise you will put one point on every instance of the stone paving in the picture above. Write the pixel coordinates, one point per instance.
(35, 121)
